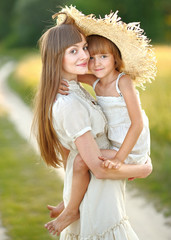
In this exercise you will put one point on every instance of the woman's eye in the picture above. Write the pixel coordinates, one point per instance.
(73, 51)
(85, 48)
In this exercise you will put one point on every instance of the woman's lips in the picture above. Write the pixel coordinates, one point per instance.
(82, 64)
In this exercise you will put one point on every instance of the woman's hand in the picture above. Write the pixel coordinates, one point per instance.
(63, 88)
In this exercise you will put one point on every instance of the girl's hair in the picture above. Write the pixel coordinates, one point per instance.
(53, 44)
(101, 45)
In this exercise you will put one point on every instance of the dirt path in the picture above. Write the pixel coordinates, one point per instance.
(146, 221)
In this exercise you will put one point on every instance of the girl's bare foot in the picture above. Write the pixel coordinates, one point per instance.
(55, 211)
(60, 223)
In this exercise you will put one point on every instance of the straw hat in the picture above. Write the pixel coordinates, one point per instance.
(137, 55)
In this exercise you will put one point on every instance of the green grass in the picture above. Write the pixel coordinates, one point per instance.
(156, 100)
(26, 187)
(157, 186)
(24, 90)
(16, 53)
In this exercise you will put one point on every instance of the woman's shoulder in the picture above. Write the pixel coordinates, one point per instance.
(67, 103)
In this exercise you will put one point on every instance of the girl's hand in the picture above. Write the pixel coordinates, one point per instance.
(115, 164)
(63, 88)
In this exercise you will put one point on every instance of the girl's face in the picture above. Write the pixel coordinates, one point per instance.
(75, 60)
(102, 65)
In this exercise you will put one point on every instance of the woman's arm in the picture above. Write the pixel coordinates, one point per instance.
(134, 111)
(89, 151)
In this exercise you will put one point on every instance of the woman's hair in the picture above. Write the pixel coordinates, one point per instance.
(101, 45)
(53, 44)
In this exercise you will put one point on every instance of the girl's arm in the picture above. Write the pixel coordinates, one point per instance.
(134, 110)
(89, 151)
(87, 78)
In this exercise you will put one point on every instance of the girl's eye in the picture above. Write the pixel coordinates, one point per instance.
(91, 58)
(103, 56)
(73, 51)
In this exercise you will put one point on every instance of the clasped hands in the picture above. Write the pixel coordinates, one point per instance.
(110, 163)
(113, 164)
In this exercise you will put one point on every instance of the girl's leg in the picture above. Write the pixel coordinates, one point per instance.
(80, 183)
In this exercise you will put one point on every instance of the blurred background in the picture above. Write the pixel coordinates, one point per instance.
(26, 184)
(22, 21)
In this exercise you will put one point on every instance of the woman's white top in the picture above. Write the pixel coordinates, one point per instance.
(116, 112)
(102, 211)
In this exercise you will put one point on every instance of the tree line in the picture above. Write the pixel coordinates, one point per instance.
(23, 21)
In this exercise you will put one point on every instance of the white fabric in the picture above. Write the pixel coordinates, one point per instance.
(117, 83)
(102, 211)
(119, 122)
(95, 83)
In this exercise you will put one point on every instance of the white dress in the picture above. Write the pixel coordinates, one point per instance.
(102, 211)
(119, 122)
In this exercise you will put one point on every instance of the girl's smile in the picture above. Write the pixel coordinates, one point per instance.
(102, 65)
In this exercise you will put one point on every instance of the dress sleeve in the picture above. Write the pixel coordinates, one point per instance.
(74, 120)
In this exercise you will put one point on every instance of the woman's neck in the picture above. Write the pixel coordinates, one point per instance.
(69, 77)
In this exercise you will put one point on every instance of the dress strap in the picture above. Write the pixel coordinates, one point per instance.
(95, 83)
(117, 83)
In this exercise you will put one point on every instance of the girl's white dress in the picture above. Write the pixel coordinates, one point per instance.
(116, 112)
(102, 211)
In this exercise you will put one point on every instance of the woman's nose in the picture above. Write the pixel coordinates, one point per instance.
(84, 54)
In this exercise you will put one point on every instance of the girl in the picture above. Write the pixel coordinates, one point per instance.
(128, 128)
(119, 102)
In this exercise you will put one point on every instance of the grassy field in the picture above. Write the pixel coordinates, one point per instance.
(26, 186)
(156, 101)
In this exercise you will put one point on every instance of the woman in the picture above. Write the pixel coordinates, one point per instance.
(68, 125)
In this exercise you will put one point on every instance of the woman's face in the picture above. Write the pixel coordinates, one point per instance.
(75, 61)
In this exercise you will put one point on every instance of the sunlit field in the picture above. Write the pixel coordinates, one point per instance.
(156, 98)
(156, 101)
(28, 70)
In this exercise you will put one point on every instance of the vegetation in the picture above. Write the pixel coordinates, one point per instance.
(22, 22)
(27, 186)
(156, 101)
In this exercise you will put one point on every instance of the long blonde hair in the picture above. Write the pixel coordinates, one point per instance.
(53, 44)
